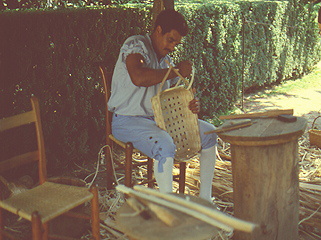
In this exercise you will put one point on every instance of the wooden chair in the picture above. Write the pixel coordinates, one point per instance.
(128, 147)
(48, 200)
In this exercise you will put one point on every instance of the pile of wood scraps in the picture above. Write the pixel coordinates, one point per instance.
(149, 214)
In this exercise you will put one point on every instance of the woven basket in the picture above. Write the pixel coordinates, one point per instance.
(315, 135)
(173, 115)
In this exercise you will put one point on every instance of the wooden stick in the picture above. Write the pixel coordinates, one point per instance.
(206, 214)
(117, 233)
(310, 186)
(136, 205)
(163, 214)
(213, 213)
(177, 72)
(270, 113)
(174, 206)
(225, 129)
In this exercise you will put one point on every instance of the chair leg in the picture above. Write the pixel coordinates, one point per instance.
(182, 176)
(150, 172)
(36, 226)
(45, 234)
(109, 168)
(95, 221)
(128, 164)
(1, 225)
(3, 234)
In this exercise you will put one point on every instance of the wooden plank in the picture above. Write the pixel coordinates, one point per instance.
(178, 207)
(206, 214)
(138, 228)
(17, 120)
(270, 113)
(229, 128)
(265, 131)
(18, 160)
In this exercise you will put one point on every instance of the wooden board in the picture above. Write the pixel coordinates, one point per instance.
(189, 228)
(270, 113)
(232, 125)
(265, 131)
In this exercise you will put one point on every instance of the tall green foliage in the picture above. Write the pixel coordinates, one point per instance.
(236, 45)
(52, 55)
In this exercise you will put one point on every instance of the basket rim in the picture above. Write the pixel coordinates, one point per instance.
(312, 127)
(314, 131)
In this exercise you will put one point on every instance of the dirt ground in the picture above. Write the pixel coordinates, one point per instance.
(306, 102)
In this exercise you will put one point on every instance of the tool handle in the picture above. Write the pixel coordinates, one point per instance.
(230, 128)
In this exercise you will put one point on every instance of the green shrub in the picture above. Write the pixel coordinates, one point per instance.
(52, 55)
(279, 41)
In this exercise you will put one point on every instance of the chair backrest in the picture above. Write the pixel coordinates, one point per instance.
(19, 120)
(106, 80)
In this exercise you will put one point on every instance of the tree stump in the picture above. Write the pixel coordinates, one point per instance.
(265, 177)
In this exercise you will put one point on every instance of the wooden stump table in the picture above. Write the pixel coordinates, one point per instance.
(265, 173)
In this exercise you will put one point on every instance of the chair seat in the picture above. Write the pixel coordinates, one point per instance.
(120, 143)
(123, 145)
(49, 200)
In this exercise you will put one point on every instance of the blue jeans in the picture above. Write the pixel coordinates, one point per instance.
(154, 142)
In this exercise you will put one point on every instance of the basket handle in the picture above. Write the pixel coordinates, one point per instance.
(180, 78)
(186, 81)
(314, 121)
(164, 79)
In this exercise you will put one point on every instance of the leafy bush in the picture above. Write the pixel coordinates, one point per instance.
(52, 55)
(279, 41)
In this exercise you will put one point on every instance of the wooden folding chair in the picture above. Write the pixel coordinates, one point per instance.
(48, 200)
(128, 147)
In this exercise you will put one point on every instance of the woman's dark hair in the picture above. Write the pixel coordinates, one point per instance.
(171, 19)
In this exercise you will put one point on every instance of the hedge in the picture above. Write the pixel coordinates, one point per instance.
(52, 54)
(279, 41)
